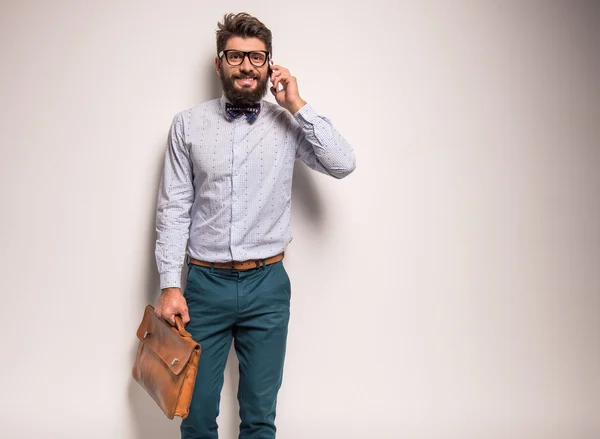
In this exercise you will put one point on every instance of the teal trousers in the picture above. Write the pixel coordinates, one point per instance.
(252, 309)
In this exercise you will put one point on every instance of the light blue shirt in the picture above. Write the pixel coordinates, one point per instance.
(227, 184)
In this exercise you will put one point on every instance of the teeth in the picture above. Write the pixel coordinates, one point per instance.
(246, 80)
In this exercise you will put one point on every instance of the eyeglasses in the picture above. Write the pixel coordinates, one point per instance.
(257, 58)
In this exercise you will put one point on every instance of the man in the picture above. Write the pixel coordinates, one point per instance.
(226, 186)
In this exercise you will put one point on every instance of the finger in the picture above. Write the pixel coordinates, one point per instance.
(285, 79)
(185, 316)
(161, 312)
(167, 315)
(275, 75)
(279, 72)
(281, 79)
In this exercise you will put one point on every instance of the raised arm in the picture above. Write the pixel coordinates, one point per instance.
(319, 145)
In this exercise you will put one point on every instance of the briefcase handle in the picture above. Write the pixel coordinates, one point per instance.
(181, 327)
(178, 323)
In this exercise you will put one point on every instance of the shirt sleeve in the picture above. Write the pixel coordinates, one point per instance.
(175, 199)
(320, 146)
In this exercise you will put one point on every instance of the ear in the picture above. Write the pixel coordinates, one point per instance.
(218, 65)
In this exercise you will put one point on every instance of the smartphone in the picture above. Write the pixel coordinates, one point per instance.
(270, 72)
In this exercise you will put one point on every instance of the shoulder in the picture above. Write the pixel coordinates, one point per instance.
(186, 122)
(205, 110)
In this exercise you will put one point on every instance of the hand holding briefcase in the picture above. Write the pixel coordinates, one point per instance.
(166, 363)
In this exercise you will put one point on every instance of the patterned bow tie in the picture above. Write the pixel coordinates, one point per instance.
(235, 111)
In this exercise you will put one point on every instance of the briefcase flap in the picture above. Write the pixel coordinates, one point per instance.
(172, 346)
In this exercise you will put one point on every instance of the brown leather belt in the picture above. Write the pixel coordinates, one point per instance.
(239, 265)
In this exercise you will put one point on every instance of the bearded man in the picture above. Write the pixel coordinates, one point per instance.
(224, 202)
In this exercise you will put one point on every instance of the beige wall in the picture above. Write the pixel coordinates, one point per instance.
(449, 288)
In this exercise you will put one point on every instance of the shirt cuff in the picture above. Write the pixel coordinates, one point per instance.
(170, 280)
(306, 114)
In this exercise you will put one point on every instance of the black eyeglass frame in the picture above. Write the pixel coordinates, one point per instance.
(246, 54)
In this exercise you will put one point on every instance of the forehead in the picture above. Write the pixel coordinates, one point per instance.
(245, 44)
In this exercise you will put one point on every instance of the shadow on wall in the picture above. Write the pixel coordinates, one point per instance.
(306, 199)
(214, 82)
(148, 420)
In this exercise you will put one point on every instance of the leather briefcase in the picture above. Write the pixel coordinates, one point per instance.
(166, 363)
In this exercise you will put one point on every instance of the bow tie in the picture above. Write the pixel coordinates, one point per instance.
(250, 111)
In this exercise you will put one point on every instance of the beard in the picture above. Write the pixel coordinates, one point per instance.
(244, 96)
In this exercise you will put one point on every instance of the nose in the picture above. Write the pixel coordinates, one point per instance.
(246, 65)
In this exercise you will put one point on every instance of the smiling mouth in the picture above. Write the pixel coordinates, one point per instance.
(245, 81)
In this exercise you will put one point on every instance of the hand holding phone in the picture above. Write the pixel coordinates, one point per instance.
(287, 95)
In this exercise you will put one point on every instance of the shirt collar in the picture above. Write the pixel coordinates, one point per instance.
(223, 100)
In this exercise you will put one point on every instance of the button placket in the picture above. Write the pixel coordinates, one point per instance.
(235, 184)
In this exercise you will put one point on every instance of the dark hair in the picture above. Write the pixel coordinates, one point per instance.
(242, 25)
